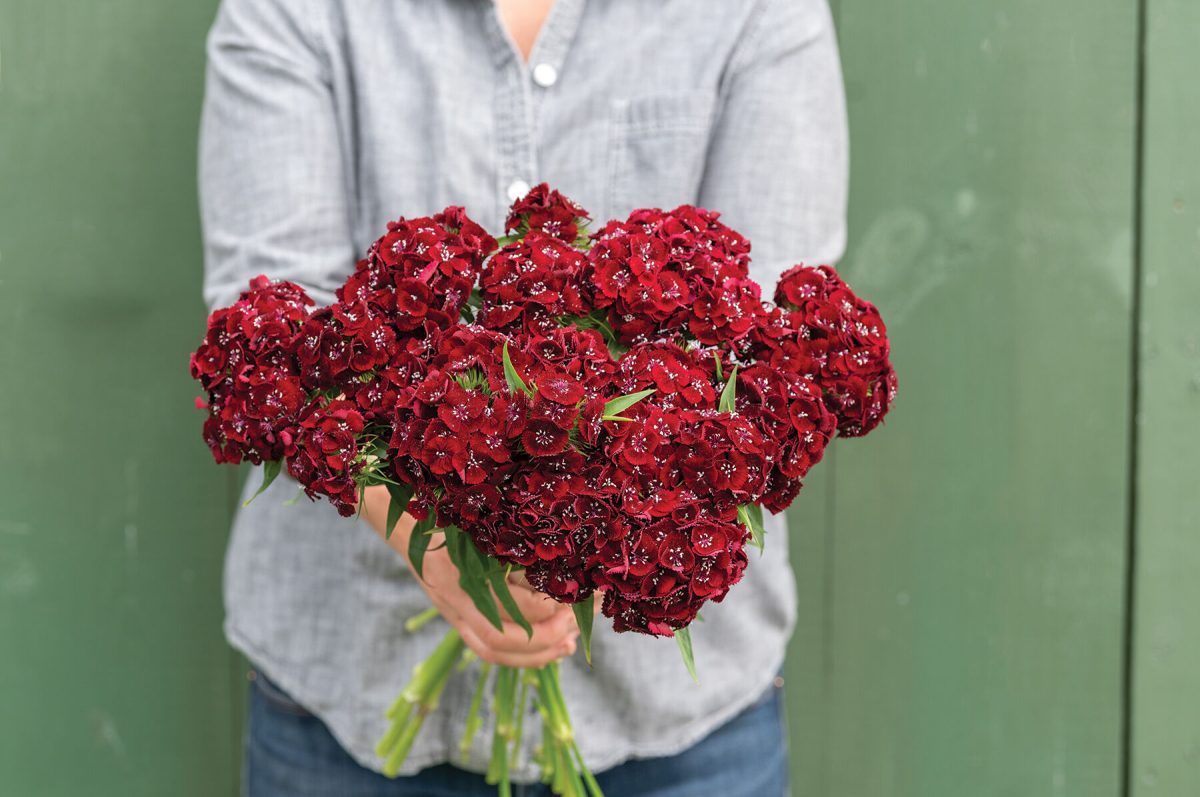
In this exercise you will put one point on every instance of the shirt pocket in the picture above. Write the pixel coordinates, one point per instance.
(657, 149)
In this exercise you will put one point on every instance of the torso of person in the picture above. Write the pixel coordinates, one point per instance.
(325, 119)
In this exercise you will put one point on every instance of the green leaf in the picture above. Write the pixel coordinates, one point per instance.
(499, 584)
(418, 543)
(515, 382)
(720, 370)
(616, 349)
(728, 398)
(472, 574)
(585, 613)
(271, 468)
(614, 406)
(683, 637)
(400, 494)
(751, 515)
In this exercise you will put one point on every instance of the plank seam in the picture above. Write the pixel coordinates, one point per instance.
(1135, 346)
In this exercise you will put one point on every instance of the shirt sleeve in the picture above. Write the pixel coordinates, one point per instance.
(274, 195)
(777, 167)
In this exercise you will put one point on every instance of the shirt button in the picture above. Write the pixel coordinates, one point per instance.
(545, 75)
(517, 189)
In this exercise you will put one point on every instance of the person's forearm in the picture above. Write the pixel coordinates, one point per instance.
(375, 512)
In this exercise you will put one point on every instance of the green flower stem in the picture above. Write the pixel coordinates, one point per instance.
(560, 723)
(392, 737)
(556, 767)
(416, 623)
(404, 743)
(552, 774)
(520, 713)
(474, 720)
(561, 783)
(570, 785)
(504, 697)
(543, 753)
(492, 776)
(417, 701)
(562, 764)
(464, 661)
(435, 668)
(570, 773)
(589, 779)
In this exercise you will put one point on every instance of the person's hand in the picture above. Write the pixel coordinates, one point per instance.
(554, 629)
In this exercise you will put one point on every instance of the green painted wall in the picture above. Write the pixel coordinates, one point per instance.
(1166, 696)
(114, 678)
(973, 553)
(1019, 207)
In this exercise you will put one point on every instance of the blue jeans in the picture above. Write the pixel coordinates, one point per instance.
(290, 753)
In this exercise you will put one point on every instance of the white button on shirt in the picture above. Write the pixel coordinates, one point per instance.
(545, 75)
(517, 189)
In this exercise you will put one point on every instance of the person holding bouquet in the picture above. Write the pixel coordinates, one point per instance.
(324, 119)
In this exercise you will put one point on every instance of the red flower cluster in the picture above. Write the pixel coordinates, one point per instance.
(822, 331)
(607, 413)
(549, 212)
(327, 459)
(247, 365)
(530, 283)
(413, 283)
(422, 270)
(659, 274)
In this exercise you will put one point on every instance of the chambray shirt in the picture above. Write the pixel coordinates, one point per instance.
(323, 119)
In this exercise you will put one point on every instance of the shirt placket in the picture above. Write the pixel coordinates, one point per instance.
(520, 92)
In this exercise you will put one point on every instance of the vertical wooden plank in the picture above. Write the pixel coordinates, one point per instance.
(114, 678)
(979, 554)
(806, 671)
(1166, 654)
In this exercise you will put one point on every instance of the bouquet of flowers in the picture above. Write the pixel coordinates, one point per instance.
(609, 412)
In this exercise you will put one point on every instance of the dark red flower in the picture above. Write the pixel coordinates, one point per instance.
(547, 211)
(542, 438)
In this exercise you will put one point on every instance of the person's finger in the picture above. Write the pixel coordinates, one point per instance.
(529, 599)
(551, 641)
(535, 606)
(540, 612)
(547, 635)
(508, 658)
(461, 604)
(517, 579)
